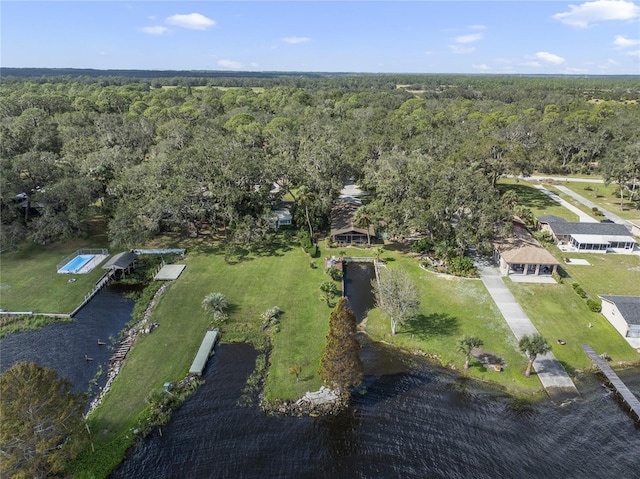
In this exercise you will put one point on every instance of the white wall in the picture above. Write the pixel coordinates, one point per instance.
(613, 315)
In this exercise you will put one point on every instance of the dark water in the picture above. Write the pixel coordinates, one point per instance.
(358, 288)
(415, 420)
(63, 346)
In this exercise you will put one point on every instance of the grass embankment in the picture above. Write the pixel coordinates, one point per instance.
(451, 308)
(605, 196)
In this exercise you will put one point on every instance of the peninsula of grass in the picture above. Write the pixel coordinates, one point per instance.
(281, 277)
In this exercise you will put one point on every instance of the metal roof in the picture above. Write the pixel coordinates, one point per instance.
(120, 261)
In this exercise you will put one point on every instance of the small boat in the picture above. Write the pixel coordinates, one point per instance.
(87, 358)
(101, 343)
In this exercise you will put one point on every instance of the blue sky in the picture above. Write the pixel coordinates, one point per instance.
(541, 37)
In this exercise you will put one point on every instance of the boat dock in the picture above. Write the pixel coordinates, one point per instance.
(629, 398)
(204, 352)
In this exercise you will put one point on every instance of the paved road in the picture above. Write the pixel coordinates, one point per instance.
(551, 373)
(557, 178)
(583, 217)
(612, 216)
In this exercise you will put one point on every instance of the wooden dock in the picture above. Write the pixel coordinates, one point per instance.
(629, 398)
(204, 352)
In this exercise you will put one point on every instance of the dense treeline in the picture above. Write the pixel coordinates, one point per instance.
(155, 153)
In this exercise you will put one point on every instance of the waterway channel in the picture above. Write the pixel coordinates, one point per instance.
(65, 347)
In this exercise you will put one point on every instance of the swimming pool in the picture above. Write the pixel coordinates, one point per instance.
(76, 264)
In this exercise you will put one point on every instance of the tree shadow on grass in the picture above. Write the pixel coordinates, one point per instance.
(436, 324)
(529, 196)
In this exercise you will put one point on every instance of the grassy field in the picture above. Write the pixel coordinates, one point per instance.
(451, 308)
(605, 196)
(539, 203)
(29, 280)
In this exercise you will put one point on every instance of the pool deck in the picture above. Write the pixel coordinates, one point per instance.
(91, 265)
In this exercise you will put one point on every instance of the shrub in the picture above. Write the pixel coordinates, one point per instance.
(421, 246)
(461, 266)
(335, 273)
(305, 240)
(594, 305)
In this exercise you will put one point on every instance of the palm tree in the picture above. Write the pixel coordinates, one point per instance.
(466, 345)
(532, 346)
(215, 303)
(363, 218)
(306, 198)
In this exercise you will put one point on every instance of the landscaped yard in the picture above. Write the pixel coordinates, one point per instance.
(451, 308)
(558, 312)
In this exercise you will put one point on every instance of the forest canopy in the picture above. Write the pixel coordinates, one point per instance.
(150, 153)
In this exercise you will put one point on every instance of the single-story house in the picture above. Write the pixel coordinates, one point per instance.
(280, 217)
(623, 312)
(593, 237)
(545, 220)
(521, 254)
(343, 229)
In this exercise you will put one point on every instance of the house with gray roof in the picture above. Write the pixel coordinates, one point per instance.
(592, 237)
(623, 312)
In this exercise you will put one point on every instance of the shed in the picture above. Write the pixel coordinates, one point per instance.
(623, 312)
(121, 263)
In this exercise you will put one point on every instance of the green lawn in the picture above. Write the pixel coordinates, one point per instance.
(558, 312)
(539, 203)
(29, 280)
(451, 308)
(605, 196)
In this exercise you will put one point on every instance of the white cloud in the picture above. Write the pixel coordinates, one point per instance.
(478, 27)
(296, 40)
(484, 67)
(459, 50)
(473, 37)
(229, 64)
(549, 58)
(157, 30)
(599, 10)
(623, 42)
(192, 21)
(634, 53)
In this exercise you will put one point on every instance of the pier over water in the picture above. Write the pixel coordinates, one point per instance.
(632, 402)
